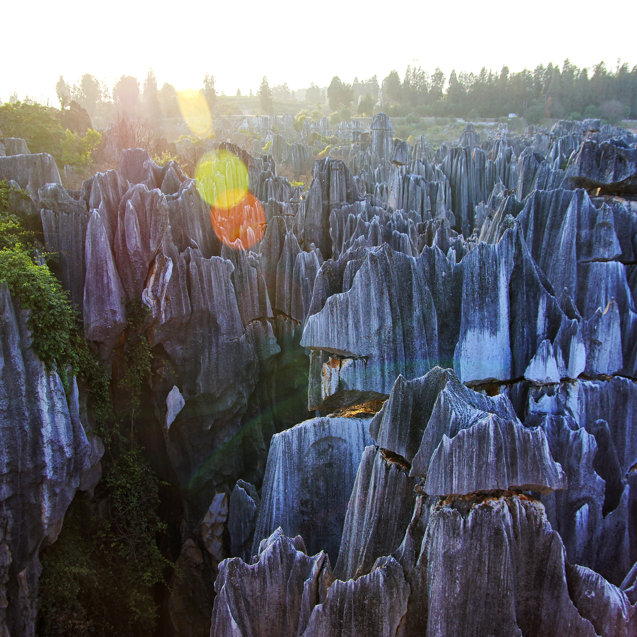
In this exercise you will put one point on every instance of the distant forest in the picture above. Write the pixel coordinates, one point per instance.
(545, 92)
(548, 92)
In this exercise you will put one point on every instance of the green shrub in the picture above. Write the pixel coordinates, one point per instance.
(138, 356)
(300, 120)
(534, 114)
(52, 320)
(38, 125)
(56, 331)
(77, 150)
(98, 577)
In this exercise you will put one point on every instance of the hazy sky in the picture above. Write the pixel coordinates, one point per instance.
(298, 42)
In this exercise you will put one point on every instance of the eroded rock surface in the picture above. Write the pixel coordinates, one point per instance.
(46, 455)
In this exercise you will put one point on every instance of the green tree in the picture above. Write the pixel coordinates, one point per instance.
(150, 97)
(265, 96)
(63, 91)
(366, 105)
(392, 88)
(126, 94)
(334, 93)
(339, 94)
(38, 125)
(313, 94)
(437, 85)
(282, 92)
(209, 91)
(88, 93)
(77, 150)
(456, 93)
(168, 100)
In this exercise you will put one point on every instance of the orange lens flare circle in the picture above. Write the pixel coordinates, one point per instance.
(244, 222)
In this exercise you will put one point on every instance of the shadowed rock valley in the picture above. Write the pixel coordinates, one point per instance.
(397, 400)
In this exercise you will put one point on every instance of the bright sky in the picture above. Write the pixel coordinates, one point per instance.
(297, 42)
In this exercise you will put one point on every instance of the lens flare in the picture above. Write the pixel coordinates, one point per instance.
(242, 223)
(194, 109)
(222, 179)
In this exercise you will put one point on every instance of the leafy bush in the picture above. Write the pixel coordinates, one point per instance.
(366, 105)
(52, 321)
(138, 355)
(299, 121)
(98, 577)
(54, 324)
(534, 114)
(77, 149)
(592, 112)
(38, 125)
(164, 158)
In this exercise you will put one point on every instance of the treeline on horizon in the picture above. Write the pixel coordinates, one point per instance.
(547, 92)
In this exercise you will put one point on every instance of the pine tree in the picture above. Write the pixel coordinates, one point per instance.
(265, 96)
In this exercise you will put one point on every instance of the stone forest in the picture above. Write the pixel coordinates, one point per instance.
(394, 398)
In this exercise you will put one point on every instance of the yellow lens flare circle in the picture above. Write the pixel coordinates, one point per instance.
(222, 179)
(196, 113)
(242, 225)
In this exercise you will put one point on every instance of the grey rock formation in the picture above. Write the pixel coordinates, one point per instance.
(431, 311)
(378, 513)
(498, 551)
(46, 455)
(382, 137)
(373, 605)
(275, 596)
(65, 236)
(608, 166)
(104, 296)
(14, 146)
(242, 521)
(365, 356)
(482, 257)
(461, 441)
(308, 481)
(332, 186)
(143, 219)
(603, 604)
(30, 172)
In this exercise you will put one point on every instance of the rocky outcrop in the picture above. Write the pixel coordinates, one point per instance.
(364, 357)
(332, 186)
(46, 455)
(476, 287)
(104, 296)
(13, 146)
(610, 166)
(478, 549)
(431, 311)
(276, 595)
(308, 480)
(30, 172)
(462, 442)
(378, 513)
(242, 521)
(374, 605)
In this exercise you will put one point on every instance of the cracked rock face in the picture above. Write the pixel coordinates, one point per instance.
(480, 290)
(308, 480)
(461, 441)
(276, 595)
(45, 457)
(501, 548)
